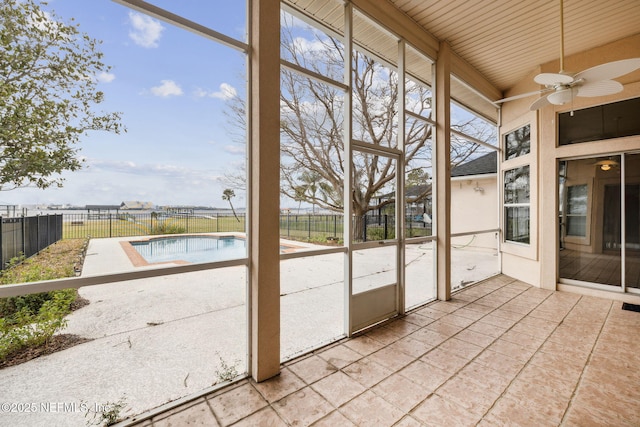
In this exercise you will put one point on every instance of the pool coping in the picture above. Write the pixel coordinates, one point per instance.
(139, 261)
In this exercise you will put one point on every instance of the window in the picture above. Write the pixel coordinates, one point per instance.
(608, 121)
(517, 204)
(517, 143)
(576, 216)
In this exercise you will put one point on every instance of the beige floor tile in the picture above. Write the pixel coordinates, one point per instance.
(236, 404)
(418, 319)
(391, 359)
(508, 412)
(609, 396)
(303, 407)
(540, 399)
(402, 327)
(445, 361)
(367, 372)
(478, 308)
(276, 388)
(525, 340)
(266, 417)
(485, 377)
(495, 320)
(457, 320)
(368, 409)
(425, 375)
(492, 330)
(584, 416)
(557, 364)
(431, 311)
(364, 345)
(504, 365)
(384, 335)
(447, 306)
(409, 421)
(401, 392)
(513, 350)
(460, 348)
(507, 314)
(338, 388)
(444, 328)
(561, 385)
(476, 338)
(340, 356)
(469, 313)
(196, 413)
(469, 395)
(334, 419)
(436, 411)
(500, 353)
(312, 368)
(429, 337)
(410, 346)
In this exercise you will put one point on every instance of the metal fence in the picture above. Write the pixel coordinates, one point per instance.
(28, 235)
(319, 228)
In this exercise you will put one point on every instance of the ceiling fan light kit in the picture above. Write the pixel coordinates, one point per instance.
(563, 87)
(562, 96)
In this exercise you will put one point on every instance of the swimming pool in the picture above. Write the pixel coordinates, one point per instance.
(191, 248)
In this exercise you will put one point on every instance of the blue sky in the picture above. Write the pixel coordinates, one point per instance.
(170, 86)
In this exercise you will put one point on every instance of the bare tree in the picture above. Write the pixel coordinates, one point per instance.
(312, 118)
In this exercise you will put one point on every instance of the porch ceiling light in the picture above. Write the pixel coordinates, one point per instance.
(606, 165)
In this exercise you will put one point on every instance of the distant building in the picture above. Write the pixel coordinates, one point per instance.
(136, 205)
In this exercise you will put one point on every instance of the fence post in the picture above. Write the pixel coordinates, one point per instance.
(385, 226)
(1, 244)
(24, 235)
(364, 227)
(309, 228)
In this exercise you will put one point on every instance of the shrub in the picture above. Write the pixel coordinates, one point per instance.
(25, 328)
(167, 228)
(31, 320)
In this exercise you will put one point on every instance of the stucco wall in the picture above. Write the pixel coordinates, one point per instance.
(544, 200)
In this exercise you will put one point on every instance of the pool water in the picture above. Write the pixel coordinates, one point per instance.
(191, 249)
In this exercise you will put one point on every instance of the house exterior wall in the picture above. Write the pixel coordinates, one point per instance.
(542, 270)
(474, 207)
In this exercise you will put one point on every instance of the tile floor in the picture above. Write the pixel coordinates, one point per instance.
(499, 353)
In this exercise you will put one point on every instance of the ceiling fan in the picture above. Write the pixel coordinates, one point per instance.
(563, 87)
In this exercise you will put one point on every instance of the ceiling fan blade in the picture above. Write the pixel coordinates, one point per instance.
(552, 79)
(522, 95)
(541, 102)
(600, 88)
(610, 70)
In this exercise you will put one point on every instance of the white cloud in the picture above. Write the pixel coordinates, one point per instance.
(167, 88)
(145, 31)
(225, 92)
(104, 77)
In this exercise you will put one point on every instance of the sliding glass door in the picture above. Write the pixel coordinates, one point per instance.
(600, 221)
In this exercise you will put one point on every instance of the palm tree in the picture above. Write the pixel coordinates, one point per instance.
(227, 195)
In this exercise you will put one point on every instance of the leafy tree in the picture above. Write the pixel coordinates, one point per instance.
(227, 195)
(48, 94)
